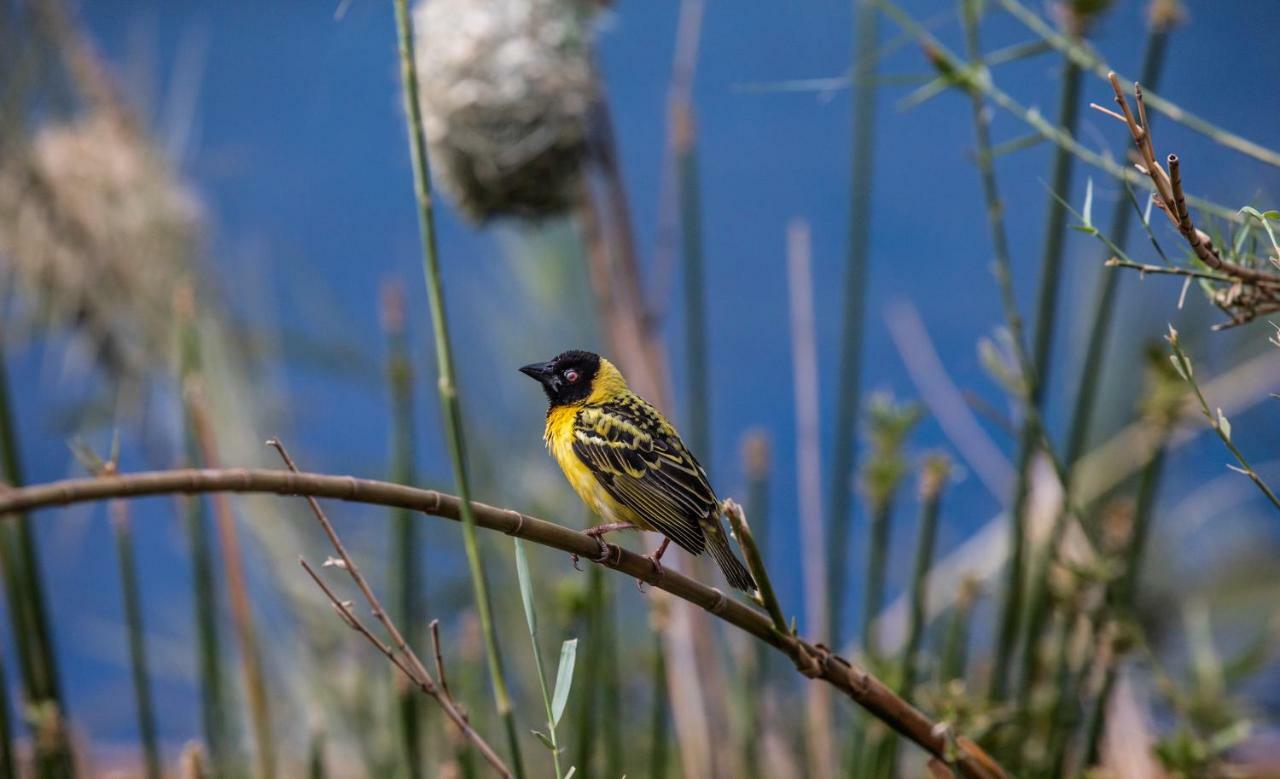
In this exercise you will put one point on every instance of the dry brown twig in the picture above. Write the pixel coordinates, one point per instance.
(401, 654)
(1247, 292)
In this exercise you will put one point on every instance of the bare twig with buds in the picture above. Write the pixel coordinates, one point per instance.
(398, 651)
(1245, 291)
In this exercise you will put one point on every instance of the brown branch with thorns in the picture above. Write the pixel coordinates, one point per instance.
(936, 738)
(401, 655)
(1246, 292)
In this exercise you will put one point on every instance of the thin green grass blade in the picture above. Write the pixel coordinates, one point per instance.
(564, 679)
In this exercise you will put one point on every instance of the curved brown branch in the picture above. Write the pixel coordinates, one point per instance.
(813, 661)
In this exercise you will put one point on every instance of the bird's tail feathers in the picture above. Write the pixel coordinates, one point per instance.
(734, 570)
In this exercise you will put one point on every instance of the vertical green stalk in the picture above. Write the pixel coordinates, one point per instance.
(449, 401)
(878, 552)
(932, 480)
(1036, 374)
(1121, 595)
(1098, 716)
(1125, 589)
(1087, 384)
(755, 457)
(849, 388)
(137, 640)
(1065, 714)
(955, 645)
(590, 710)
(990, 187)
(698, 414)
(216, 715)
(24, 585)
(869, 738)
(658, 726)
(888, 426)
(611, 703)
(405, 538)
(8, 768)
(316, 768)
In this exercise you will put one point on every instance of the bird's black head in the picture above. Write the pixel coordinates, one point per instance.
(567, 378)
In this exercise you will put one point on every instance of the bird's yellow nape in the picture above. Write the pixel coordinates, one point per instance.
(607, 384)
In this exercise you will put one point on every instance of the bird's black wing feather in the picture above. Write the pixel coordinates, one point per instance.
(640, 461)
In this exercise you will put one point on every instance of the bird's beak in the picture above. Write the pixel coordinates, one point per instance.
(539, 371)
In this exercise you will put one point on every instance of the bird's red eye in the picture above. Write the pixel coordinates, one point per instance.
(571, 376)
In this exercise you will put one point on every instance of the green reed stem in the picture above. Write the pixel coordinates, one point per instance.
(756, 465)
(591, 710)
(984, 157)
(316, 768)
(216, 711)
(1087, 386)
(449, 400)
(1125, 589)
(933, 480)
(658, 725)
(1004, 277)
(1122, 593)
(1038, 380)
(37, 661)
(877, 563)
(1216, 422)
(1098, 716)
(406, 543)
(611, 703)
(8, 766)
(849, 389)
(698, 414)
(1066, 712)
(954, 656)
(132, 600)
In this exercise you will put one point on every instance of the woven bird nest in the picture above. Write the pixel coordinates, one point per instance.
(95, 234)
(507, 90)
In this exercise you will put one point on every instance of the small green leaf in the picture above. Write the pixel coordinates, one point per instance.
(545, 739)
(564, 679)
(1086, 213)
(1230, 736)
(1242, 235)
(1177, 366)
(1224, 425)
(1264, 220)
(526, 587)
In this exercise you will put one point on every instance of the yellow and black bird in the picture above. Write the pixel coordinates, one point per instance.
(627, 463)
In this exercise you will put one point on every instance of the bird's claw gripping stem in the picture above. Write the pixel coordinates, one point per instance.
(658, 570)
(606, 551)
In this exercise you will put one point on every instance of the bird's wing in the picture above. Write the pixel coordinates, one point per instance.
(641, 462)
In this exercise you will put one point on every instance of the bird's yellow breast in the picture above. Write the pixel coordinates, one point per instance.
(559, 435)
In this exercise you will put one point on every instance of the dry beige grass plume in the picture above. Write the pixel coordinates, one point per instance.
(95, 233)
